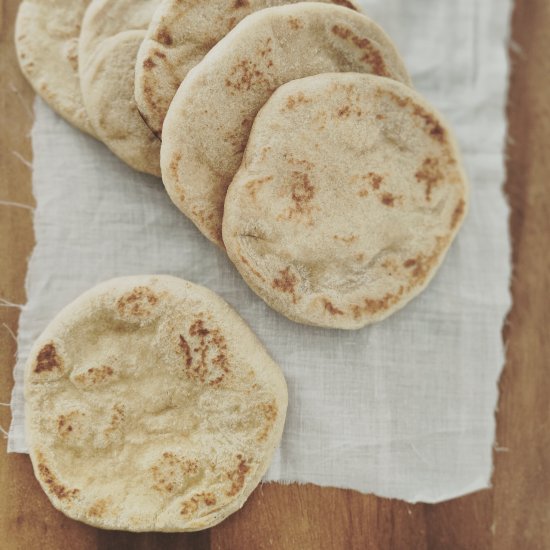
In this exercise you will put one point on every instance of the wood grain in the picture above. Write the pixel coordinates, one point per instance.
(514, 514)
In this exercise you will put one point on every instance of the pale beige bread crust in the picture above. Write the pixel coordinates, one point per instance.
(179, 36)
(350, 193)
(207, 126)
(151, 406)
(112, 31)
(109, 82)
(46, 38)
(106, 18)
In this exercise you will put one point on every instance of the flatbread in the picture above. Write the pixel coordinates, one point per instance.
(112, 31)
(207, 126)
(46, 38)
(349, 195)
(179, 36)
(151, 406)
(108, 82)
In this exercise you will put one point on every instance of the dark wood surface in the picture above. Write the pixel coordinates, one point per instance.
(514, 514)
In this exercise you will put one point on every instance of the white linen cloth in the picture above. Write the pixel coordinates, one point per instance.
(402, 409)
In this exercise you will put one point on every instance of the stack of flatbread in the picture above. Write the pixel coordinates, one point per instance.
(290, 134)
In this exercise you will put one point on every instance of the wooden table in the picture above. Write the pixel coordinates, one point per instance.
(515, 514)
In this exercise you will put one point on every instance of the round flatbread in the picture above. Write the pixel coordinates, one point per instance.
(112, 31)
(207, 126)
(46, 38)
(179, 36)
(349, 195)
(151, 406)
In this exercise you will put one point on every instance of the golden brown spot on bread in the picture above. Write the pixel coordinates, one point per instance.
(238, 476)
(430, 123)
(421, 266)
(232, 22)
(431, 174)
(302, 190)
(117, 417)
(186, 349)
(332, 309)
(346, 240)
(65, 423)
(149, 63)
(375, 180)
(209, 499)
(388, 199)
(53, 484)
(267, 49)
(72, 58)
(98, 508)
(199, 364)
(254, 185)
(241, 4)
(295, 23)
(148, 93)
(356, 311)
(390, 265)
(139, 302)
(164, 36)
(48, 359)
(299, 99)
(174, 166)
(95, 375)
(291, 159)
(159, 54)
(192, 505)
(189, 507)
(344, 112)
(341, 32)
(269, 412)
(374, 306)
(169, 469)
(458, 213)
(344, 3)
(246, 74)
(424, 263)
(198, 329)
(372, 54)
(286, 283)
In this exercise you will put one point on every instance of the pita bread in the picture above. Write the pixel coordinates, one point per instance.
(112, 31)
(349, 195)
(46, 38)
(150, 405)
(108, 85)
(207, 126)
(179, 36)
